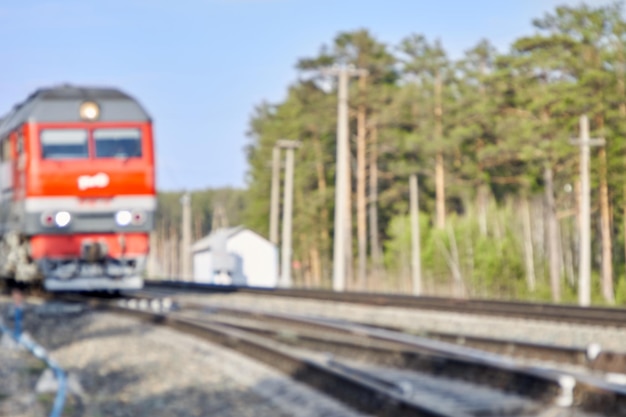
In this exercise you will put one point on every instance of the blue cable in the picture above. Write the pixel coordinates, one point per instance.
(17, 330)
(39, 352)
(59, 400)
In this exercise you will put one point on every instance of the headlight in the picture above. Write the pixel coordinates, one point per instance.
(123, 218)
(89, 110)
(62, 218)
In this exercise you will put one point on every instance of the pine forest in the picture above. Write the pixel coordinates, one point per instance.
(491, 136)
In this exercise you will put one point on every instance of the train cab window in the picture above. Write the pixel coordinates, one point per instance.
(5, 150)
(117, 143)
(20, 144)
(64, 144)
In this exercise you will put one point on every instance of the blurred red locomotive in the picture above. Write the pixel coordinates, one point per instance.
(77, 190)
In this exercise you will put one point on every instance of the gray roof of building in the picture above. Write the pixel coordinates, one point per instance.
(61, 104)
(208, 242)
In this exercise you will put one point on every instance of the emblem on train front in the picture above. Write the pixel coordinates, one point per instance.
(100, 180)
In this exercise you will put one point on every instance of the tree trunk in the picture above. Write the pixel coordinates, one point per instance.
(219, 218)
(529, 256)
(458, 276)
(321, 186)
(538, 225)
(553, 235)
(198, 227)
(160, 250)
(164, 255)
(577, 197)
(452, 259)
(621, 88)
(151, 267)
(373, 201)
(607, 251)
(483, 205)
(439, 171)
(349, 262)
(568, 250)
(304, 274)
(483, 189)
(605, 224)
(174, 251)
(360, 190)
(475, 282)
(167, 273)
(316, 270)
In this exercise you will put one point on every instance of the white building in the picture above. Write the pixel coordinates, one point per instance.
(236, 256)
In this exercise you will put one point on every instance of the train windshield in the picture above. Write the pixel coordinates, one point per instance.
(64, 144)
(117, 143)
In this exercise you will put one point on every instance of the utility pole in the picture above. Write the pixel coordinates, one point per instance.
(275, 195)
(342, 178)
(416, 262)
(285, 277)
(584, 266)
(439, 168)
(361, 198)
(185, 252)
(373, 201)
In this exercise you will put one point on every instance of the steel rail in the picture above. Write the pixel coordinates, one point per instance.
(592, 357)
(600, 316)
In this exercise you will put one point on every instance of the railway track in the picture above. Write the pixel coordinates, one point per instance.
(363, 393)
(593, 357)
(372, 361)
(600, 316)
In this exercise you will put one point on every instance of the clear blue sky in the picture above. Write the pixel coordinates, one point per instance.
(200, 66)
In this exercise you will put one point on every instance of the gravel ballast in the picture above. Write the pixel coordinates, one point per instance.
(562, 334)
(130, 368)
(18, 375)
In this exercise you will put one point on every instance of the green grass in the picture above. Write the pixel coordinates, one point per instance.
(47, 401)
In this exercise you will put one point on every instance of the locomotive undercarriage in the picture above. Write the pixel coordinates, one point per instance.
(82, 274)
(93, 270)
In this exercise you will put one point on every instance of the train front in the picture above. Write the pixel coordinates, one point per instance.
(90, 196)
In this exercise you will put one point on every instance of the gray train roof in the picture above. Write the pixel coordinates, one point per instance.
(61, 104)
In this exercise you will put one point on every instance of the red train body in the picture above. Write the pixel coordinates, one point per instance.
(77, 184)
